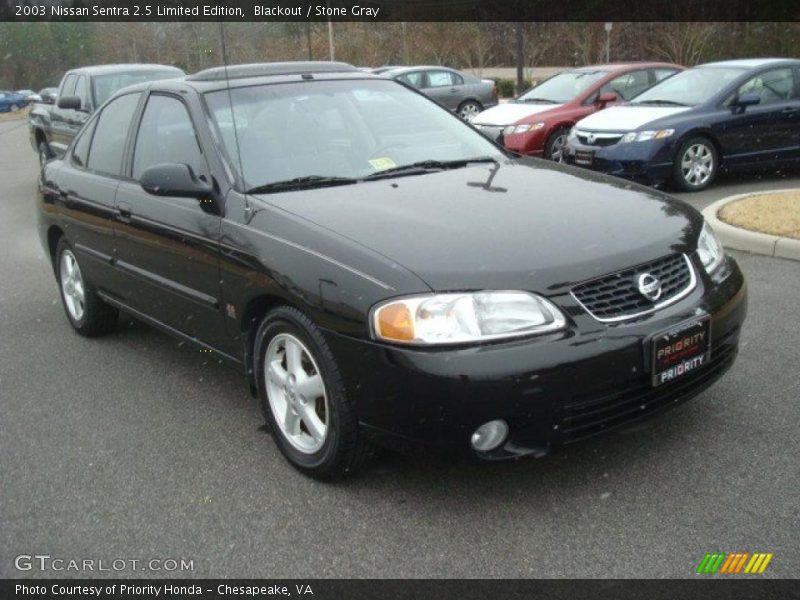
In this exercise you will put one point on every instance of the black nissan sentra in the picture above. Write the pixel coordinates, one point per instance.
(380, 271)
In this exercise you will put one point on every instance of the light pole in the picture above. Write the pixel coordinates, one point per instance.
(608, 28)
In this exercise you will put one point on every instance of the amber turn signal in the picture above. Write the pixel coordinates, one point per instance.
(394, 322)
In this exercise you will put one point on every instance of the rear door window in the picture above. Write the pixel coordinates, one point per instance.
(111, 132)
(440, 79)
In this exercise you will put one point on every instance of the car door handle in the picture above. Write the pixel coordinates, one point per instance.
(124, 212)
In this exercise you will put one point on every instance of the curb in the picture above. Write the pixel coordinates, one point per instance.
(750, 241)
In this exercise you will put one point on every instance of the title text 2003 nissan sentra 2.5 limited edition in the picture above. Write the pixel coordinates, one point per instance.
(382, 272)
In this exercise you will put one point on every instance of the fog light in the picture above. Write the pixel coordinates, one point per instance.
(489, 435)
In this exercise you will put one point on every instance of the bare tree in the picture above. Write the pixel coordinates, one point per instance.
(682, 43)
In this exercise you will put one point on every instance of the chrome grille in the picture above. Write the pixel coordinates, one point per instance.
(616, 297)
(596, 138)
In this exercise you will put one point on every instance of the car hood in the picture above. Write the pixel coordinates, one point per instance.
(527, 224)
(511, 112)
(627, 118)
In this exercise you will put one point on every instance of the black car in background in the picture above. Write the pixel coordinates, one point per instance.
(81, 91)
(381, 272)
(718, 116)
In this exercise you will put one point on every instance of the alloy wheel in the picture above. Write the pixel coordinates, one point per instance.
(296, 393)
(697, 165)
(469, 111)
(72, 286)
(557, 149)
(14, 108)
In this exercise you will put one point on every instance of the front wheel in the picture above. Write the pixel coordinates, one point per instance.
(696, 164)
(469, 110)
(14, 108)
(303, 397)
(87, 313)
(554, 148)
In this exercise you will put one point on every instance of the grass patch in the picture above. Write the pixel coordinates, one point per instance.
(776, 214)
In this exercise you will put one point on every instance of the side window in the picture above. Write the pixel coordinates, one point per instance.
(629, 85)
(111, 131)
(82, 91)
(80, 151)
(415, 79)
(457, 79)
(661, 74)
(439, 79)
(68, 89)
(772, 86)
(166, 135)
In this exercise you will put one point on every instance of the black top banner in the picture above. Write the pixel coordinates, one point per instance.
(399, 10)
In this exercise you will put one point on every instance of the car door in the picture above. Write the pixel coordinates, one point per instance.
(443, 87)
(168, 246)
(59, 136)
(766, 131)
(87, 184)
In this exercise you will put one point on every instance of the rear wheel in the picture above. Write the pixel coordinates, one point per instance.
(554, 148)
(469, 109)
(304, 399)
(14, 108)
(87, 313)
(696, 164)
(44, 153)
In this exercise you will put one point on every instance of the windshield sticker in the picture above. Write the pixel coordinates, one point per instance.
(383, 163)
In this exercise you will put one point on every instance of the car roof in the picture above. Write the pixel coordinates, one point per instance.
(417, 68)
(623, 66)
(231, 72)
(126, 67)
(752, 63)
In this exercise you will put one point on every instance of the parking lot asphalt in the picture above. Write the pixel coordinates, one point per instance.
(134, 446)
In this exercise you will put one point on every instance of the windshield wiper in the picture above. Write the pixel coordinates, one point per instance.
(309, 181)
(547, 100)
(425, 166)
(670, 102)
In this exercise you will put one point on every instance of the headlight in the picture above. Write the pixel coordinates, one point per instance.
(709, 249)
(522, 128)
(463, 318)
(643, 136)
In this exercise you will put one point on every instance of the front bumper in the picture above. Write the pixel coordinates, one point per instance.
(552, 390)
(648, 162)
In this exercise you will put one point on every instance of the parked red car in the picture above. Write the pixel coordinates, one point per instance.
(537, 122)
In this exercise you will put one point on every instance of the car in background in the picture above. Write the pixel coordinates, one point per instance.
(537, 122)
(727, 115)
(462, 93)
(11, 101)
(48, 95)
(340, 239)
(82, 90)
(30, 96)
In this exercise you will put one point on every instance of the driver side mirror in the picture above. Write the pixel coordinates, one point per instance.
(173, 179)
(69, 102)
(606, 98)
(747, 99)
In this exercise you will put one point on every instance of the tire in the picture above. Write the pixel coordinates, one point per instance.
(318, 431)
(696, 164)
(469, 109)
(86, 312)
(554, 148)
(44, 153)
(13, 108)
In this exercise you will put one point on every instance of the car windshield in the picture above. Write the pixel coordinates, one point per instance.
(311, 132)
(562, 87)
(106, 85)
(689, 88)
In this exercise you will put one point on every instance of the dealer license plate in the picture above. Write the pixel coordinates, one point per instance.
(682, 350)
(584, 157)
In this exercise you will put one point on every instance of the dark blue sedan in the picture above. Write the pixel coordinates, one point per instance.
(718, 116)
(11, 101)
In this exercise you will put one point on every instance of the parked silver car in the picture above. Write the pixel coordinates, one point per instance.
(460, 92)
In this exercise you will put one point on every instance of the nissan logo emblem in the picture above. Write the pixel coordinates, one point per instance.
(649, 286)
